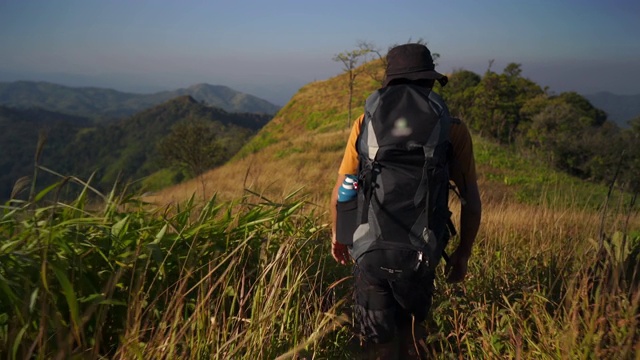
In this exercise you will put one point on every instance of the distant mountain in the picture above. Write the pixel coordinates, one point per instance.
(100, 103)
(619, 108)
(225, 98)
(126, 149)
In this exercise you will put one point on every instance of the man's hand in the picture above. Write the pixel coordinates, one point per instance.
(457, 266)
(340, 252)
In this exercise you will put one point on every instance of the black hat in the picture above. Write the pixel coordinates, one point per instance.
(411, 62)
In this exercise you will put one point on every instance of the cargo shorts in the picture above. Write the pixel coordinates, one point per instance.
(384, 308)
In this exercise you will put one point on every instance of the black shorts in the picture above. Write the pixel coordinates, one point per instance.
(384, 307)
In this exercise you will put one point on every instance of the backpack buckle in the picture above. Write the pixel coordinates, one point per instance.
(415, 268)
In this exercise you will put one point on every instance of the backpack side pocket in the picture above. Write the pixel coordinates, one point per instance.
(346, 221)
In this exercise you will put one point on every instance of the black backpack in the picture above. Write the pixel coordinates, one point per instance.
(403, 219)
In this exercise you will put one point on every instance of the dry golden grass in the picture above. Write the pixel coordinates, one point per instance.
(313, 170)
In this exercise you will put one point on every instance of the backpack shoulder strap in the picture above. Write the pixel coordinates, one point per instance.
(367, 148)
(439, 135)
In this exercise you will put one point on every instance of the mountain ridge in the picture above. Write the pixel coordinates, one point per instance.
(105, 104)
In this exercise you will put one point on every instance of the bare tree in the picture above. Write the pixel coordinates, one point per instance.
(350, 60)
(371, 49)
(365, 52)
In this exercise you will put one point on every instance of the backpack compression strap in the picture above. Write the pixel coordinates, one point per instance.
(366, 179)
(439, 135)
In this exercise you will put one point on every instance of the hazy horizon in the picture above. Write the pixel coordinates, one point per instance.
(271, 50)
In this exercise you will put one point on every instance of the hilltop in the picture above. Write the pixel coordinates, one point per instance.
(107, 104)
(301, 147)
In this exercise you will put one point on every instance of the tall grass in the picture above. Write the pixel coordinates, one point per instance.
(540, 287)
(107, 276)
(211, 280)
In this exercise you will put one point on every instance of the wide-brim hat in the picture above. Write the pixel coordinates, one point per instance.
(411, 62)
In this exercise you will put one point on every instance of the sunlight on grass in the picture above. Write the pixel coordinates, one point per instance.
(106, 275)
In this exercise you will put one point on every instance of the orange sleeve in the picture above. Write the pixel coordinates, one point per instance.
(463, 166)
(349, 163)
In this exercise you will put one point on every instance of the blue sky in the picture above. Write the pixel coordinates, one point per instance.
(270, 48)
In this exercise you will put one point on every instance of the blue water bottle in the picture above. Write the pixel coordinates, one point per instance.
(347, 210)
(349, 189)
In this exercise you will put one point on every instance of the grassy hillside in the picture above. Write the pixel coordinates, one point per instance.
(302, 148)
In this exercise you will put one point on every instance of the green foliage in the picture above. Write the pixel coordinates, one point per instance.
(575, 145)
(125, 151)
(19, 133)
(497, 101)
(330, 122)
(566, 130)
(591, 116)
(192, 145)
(532, 179)
(460, 91)
(631, 156)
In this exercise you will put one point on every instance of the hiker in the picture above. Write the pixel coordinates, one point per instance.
(392, 301)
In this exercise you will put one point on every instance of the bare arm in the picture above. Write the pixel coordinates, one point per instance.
(334, 202)
(470, 215)
(463, 174)
(339, 251)
(349, 165)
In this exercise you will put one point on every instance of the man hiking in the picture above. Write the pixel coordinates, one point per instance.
(403, 150)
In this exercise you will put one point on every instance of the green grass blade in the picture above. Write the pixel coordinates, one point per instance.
(17, 341)
(45, 191)
(70, 296)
